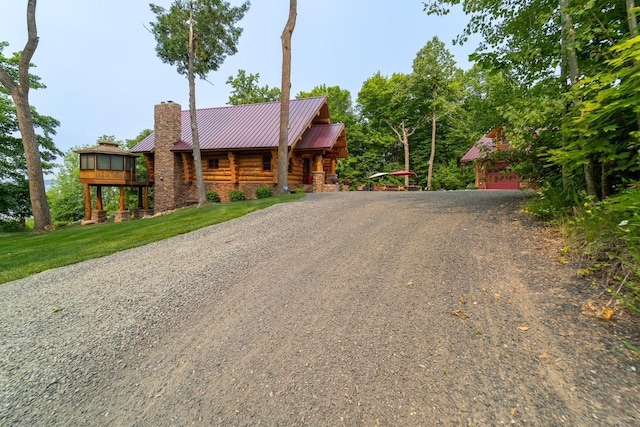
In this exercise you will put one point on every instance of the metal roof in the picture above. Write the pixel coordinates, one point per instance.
(484, 145)
(321, 137)
(106, 147)
(244, 126)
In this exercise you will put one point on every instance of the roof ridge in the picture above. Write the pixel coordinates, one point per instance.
(256, 103)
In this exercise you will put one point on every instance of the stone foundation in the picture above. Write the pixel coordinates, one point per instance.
(99, 215)
(139, 213)
(122, 216)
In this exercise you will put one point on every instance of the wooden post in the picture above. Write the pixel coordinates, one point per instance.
(332, 169)
(146, 197)
(274, 162)
(122, 204)
(87, 202)
(99, 198)
(233, 167)
(139, 197)
(319, 163)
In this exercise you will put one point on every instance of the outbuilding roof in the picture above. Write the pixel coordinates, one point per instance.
(480, 149)
(247, 126)
(105, 147)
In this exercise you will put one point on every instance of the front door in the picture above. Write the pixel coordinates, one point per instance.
(307, 178)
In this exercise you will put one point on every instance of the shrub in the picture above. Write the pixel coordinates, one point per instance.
(298, 190)
(11, 226)
(263, 192)
(236, 196)
(212, 196)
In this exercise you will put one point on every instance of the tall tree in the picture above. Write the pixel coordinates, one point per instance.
(434, 71)
(19, 89)
(196, 36)
(245, 90)
(283, 145)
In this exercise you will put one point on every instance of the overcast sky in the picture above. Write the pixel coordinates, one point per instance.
(103, 76)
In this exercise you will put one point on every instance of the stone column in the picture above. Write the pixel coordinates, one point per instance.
(168, 131)
(318, 181)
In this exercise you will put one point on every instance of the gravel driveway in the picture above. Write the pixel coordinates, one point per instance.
(359, 308)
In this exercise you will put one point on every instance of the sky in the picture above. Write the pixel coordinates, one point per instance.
(98, 60)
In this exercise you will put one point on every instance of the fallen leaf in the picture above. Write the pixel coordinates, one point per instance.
(523, 328)
(496, 296)
(513, 411)
(461, 314)
(607, 313)
(410, 283)
(462, 300)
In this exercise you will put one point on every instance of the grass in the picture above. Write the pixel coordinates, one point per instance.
(24, 254)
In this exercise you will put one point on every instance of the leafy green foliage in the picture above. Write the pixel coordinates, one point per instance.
(608, 232)
(451, 176)
(245, 90)
(212, 196)
(236, 196)
(214, 24)
(23, 254)
(264, 192)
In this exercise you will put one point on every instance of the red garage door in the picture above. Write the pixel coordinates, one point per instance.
(499, 179)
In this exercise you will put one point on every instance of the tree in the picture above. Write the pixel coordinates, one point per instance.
(15, 200)
(434, 70)
(520, 40)
(245, 90)
(196, 36)
(19, 90)
(283, 145)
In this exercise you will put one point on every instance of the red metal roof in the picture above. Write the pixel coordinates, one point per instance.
(484, 145)
(243, 126)
(321, 136)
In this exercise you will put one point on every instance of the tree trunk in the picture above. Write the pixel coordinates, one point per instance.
(631, 17)
(406, 154)
(432, 155)
(283, 145)
(20, 95)
(194, 122)
(568, 44)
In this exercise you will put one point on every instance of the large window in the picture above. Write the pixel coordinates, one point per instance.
(110, 162)
(213, 163)
(87, 161)
(104, 161)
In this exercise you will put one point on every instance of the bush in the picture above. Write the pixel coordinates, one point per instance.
(608, 234)
(11, 226)
(298, 190)
(236, 196)
(451, 176)
(263, 192)
(212, 196)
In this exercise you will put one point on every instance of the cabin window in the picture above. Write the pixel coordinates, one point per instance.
(104, 161)
(213, 163)
(110, 162)
(117, 163)
(87, 161)
(290, 168)
(131, 164)
(266, 163)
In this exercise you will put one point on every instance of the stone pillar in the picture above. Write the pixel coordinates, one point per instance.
(122, 216)
(168, 131)
(318, 181)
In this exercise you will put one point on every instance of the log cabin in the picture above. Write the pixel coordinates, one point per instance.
(492, 174)
(239, 150)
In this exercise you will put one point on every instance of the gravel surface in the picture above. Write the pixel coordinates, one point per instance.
(381, 308)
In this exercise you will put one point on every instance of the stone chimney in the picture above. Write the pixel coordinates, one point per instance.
(168, 131)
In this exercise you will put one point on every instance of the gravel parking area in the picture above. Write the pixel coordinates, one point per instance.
(358, 308)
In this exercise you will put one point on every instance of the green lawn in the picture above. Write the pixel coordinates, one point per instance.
(24, 254)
